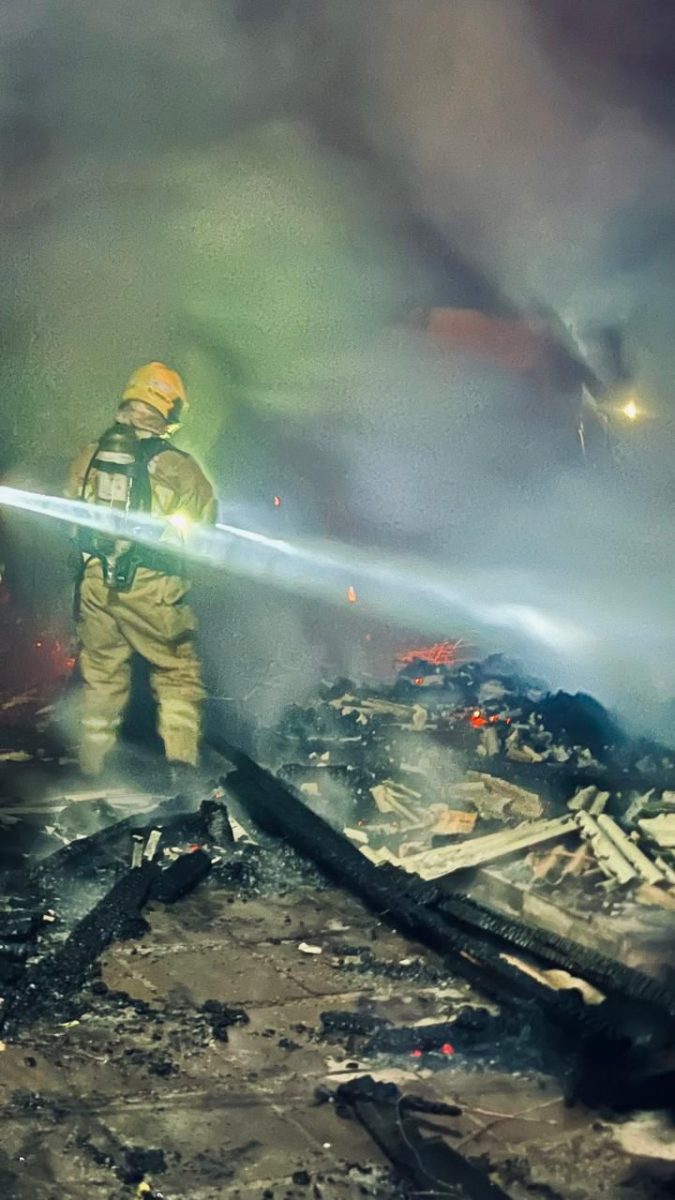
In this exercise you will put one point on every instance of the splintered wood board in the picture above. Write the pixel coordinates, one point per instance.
(433, 864)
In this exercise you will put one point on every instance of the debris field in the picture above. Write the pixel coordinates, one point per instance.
(404, 958)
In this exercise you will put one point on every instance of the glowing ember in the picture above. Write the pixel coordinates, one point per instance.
(351, 595)
(478, 719)
(441, 654)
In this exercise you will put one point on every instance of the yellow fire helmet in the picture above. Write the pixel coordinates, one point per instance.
(160, 387)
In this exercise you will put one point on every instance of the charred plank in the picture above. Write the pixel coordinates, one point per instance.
(48, 983)
(181, 877)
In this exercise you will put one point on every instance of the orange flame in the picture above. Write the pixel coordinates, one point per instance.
(441, 654)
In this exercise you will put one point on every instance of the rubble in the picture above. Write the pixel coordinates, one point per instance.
(607, 854)
(606, 1032)
(427, 1163)
(181, 877)
(51, 980)
(306, 948)
(660, 830)
(139, 1162)
(175, 1074)
(36, 983)
(459, 765)
(644, 867)
(436, 863)
(470, 935)
(361, 1024)
(222, 1017)
(590, 800)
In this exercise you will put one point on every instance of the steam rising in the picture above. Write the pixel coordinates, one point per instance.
(227, 194)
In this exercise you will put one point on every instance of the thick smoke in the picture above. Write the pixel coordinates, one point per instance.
(559, 186)
(556, 180)
(223, 185)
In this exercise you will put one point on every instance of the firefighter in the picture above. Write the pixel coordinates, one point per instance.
(131, 598)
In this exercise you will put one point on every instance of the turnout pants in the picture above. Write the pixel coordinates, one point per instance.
(151, 619)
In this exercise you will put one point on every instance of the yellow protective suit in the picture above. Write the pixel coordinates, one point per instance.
(152, 619)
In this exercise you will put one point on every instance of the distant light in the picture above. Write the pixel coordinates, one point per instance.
(277, 501)
(631, 410)
(351, 595)
(179, 521)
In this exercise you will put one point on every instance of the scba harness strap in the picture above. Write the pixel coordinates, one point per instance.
(120, 560)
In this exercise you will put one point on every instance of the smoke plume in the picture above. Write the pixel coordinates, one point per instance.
(232, 187)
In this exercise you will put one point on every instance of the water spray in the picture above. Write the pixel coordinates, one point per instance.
(402, 589)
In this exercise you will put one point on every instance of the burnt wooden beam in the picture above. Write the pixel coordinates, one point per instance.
(49, 982)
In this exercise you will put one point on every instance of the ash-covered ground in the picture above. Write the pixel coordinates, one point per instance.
(201, 1059)
(200, 1052)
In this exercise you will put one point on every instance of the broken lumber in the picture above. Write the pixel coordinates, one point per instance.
(582, 798)
(454, 821)
(660, 829)
(181, 877)
(432, 864)
(666, 869)
(611, 861)
(377, 857)
(387, 798)
(656, 896)
(588, 799)
(644, 866)
(52, 980)
(502, 787)
(468, 936)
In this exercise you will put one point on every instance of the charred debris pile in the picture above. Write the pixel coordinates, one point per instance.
(607, 1029)
(415, 785)
(465, 767)
(613, 1026)
(59, 915)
